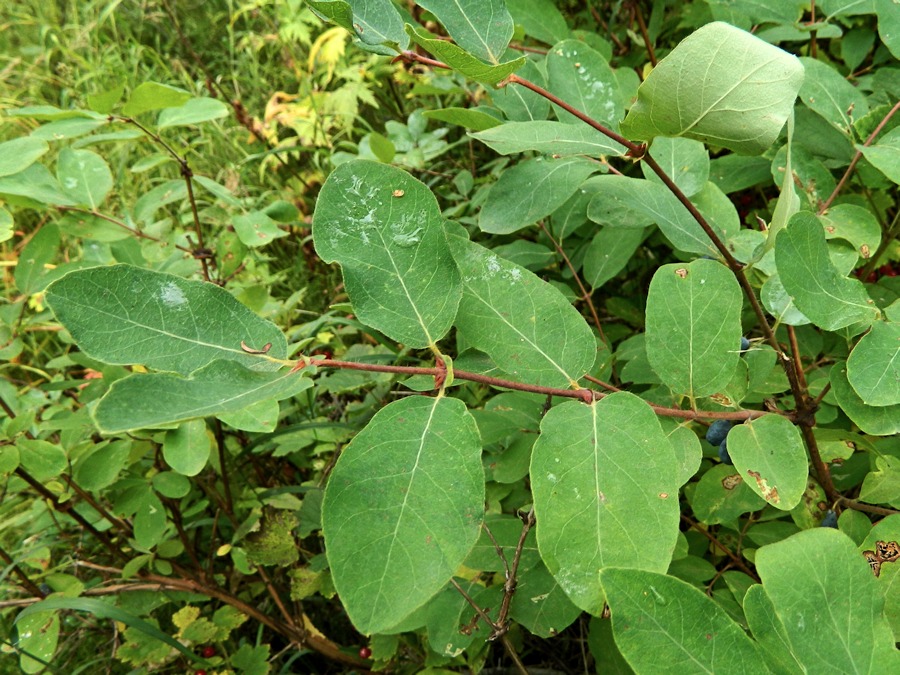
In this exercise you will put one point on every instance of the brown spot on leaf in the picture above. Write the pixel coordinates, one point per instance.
(682, 272)
(398, 193)
(865, 251)
(732, 481)
(770, 494)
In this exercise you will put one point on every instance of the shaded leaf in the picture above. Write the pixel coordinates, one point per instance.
(481, 27)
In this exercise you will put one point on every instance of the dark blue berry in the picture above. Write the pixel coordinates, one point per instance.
(717, 431)
(829, 519)
(723, 452)
(745, 344)
(45, 589)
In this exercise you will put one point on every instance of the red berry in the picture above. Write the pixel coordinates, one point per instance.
(365, 653)
(200, 672)
(208, 652)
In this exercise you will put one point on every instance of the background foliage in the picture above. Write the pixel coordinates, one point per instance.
(605, 375)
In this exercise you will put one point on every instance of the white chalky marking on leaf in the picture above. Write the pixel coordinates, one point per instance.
(171, 295)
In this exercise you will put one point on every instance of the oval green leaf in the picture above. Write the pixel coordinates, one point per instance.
(532, 190)
(403, 508)
(603, 478)
(548, 138)
(20, 153)
(84, 176)
(658, 619)
(186, 448)
(128, 315)
(720, 85)
(694, 326)
(386, 231)
(481, 27)
(873, 367)
(143, 401)
(581, 77)
(769, 453)
(829, 299)
(821, 569)
(524, 324)
(875, 420)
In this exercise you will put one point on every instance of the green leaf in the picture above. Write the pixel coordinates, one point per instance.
(685, 161)
(769, 452)
(525, 325)
(609, 252)
(720, 85)
(470, 118)
(822, 568)
(42, 459)
(540, 604)
(632, 202)
(386, 230)
(482, 27)
(854, 224)
(873, 367)
(884, 155)
(722, 495)
(834, 8)
(35, 183)
(376, 24)
(128, 315)
(67, 129)
(659, 619)
(186, 449)
(826, 92)
(520, 104)
(889, 25)
(150, 520)
(31, 272)
(462, 61)
(828, 298)
(261, 416)
(769, 632)
(540, 18)
(403, 508)
(195, 111)
(104, 101)
(37, 640)
(581, 77)
(149, 96)
(6, 225)
(733, 173)
(878, 421)
(105, 610)
(532, 190)
(882, 486)
(257, 229)
(20, 153)
(85, 176)
(694, 326)
(603, 480)
(142, 401)
(548, 138)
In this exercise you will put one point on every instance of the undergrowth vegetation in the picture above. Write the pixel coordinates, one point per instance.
(483, 335)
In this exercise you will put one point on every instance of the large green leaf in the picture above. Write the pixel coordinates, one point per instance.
(694, 326)
(874, 365)
(143, 401)
(482, 27)
(129, 315)
(85, 176)
(720, 85)
(829, 299)
(376, 24)
(769, 453)
(658, 619)
(548, 138)
(829, 603)
(889, 25)
(149, 96)
(385, 229)
(878, 421)
(540, 604)
(769, 632)
(603, 481)
(461, 60)
(403, 508)
(854, 224)
(532, 190)
(524, 324)
(581, 77)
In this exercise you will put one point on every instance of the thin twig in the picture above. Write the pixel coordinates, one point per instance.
(644, 34)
